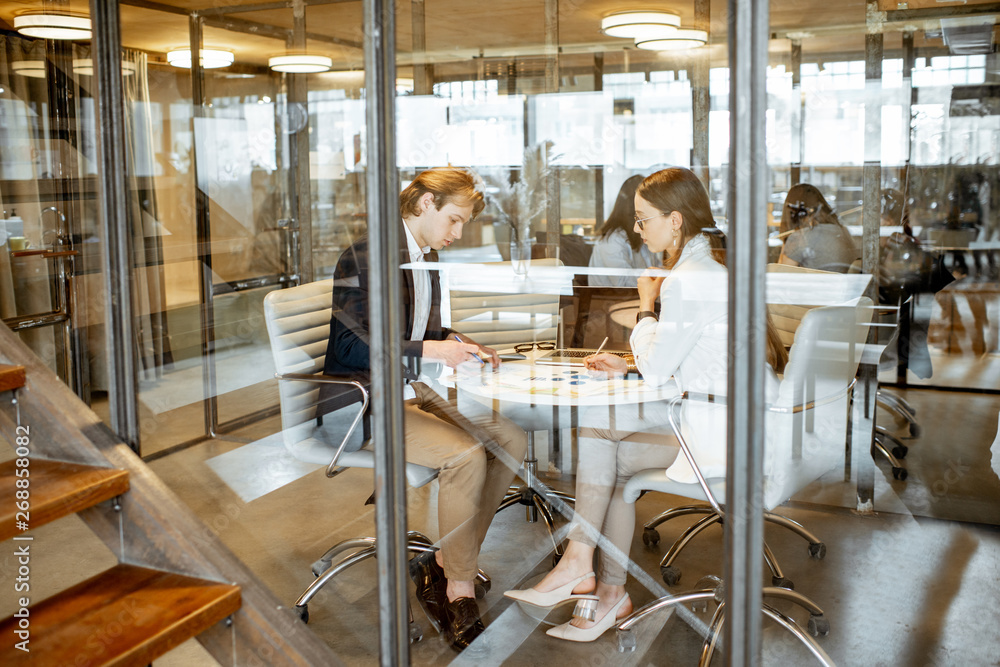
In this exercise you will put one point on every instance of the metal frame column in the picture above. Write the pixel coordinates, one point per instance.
(799, 119)
(423, 73)
(299, 184)
(553, 205)
(861, 460)
(748, 181)
(701, 99)
(112, 197)
(386, 349)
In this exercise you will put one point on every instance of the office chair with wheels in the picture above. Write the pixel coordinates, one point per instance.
(298, 325)
(804, 433)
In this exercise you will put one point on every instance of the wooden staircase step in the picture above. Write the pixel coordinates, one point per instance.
(55, 489)
(127, 615)
(11, 377)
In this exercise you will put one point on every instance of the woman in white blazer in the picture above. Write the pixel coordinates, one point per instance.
(687, 342)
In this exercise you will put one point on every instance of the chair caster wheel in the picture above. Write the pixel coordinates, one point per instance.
(783, 582)
(319, 567)
(650, 537)
(900, 451)
(626, 641)
(817, 551)
(915, 430)
(899, 473)
(416, 632)
(819, 626)
(303, 612)
(671, 575)
(481, 590)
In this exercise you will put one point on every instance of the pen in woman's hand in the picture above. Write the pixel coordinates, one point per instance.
(601, 346)
(588, 363)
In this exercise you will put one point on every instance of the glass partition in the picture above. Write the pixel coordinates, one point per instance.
(249, 182)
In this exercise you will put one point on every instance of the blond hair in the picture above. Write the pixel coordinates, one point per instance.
(449, 185)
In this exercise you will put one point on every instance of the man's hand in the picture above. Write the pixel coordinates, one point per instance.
(454, 352)
(485, 353)
(606, 363)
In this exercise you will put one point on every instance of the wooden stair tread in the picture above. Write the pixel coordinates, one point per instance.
(56, 488)
(11, 377)
(127, 615)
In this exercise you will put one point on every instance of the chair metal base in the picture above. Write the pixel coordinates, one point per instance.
(900, 408)
(671, 574)
(363, 548)
(818, 624)
(535, 496)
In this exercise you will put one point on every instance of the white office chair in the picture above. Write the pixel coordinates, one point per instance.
(804, 434)
(298, 324)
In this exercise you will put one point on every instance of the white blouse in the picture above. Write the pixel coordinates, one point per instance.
(690, 344)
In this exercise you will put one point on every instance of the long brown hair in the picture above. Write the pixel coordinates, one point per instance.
(678, 189)
(623, 214)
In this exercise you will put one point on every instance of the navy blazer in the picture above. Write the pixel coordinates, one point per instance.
(348, 349)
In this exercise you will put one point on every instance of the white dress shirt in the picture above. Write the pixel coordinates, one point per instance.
(421, 288)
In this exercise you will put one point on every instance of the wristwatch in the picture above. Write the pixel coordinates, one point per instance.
(643, 314)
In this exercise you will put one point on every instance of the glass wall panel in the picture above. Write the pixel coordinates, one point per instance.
(253, 184)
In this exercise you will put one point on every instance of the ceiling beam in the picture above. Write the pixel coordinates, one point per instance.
(267, 6)
(943, 12)
(216, 19)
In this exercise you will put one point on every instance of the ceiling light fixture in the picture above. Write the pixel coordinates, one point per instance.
(640, 25)
(209, 58)
(34, 69)
(44, 25)
(300, 63)
(678, 41)
(85, 67)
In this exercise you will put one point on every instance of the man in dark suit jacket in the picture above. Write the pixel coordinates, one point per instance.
(477, 453)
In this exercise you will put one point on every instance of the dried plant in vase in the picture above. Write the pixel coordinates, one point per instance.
(520, 203)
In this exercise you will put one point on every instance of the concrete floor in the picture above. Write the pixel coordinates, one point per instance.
(899, 587)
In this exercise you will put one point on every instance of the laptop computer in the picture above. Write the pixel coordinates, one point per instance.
(573, 356)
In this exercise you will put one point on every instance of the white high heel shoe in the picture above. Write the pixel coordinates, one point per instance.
(554, 597)
(587, 610)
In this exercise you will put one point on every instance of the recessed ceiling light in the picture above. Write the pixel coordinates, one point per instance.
(209, 58)
(640, 25)
(34, 69)
(44, 25)
(678, 41)
(300, 63)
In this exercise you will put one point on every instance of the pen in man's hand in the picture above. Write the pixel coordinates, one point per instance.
(476, 356)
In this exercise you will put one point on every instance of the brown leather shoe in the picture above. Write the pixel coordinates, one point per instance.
(464, 624)
(432, 589)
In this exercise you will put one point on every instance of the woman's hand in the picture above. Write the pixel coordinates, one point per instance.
(606, 363)
(649, 287)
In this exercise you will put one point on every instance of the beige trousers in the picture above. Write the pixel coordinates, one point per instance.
(478, 453)
(623, 441)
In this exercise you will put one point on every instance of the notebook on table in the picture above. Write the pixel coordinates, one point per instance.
(574, 356)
